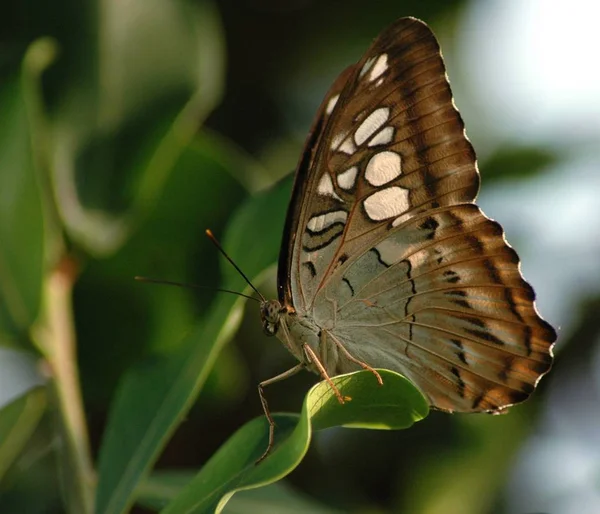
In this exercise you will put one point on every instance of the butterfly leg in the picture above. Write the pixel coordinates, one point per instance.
(265, 405)
(312, 357)
(351, 358)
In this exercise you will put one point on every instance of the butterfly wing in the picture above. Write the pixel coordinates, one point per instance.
(394, 119)
(442, 301)
(387, 251)
(301, 189)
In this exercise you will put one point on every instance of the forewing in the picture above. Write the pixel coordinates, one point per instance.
(301, 189)
(392, 147)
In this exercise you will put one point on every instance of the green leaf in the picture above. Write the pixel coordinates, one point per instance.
(155, 396)
(200, 193)
(274, 499)
(163, 486)
(395, 405)
(514, 162)
(18, 420)
(21, 218)
(248, 172)
(145, 89)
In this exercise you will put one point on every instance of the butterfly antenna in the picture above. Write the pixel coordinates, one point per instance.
(192, 286)
(220, 248)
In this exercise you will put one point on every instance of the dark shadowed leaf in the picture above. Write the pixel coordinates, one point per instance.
(164, 486)
(144, 91)
(18, 420)
(155, 396)
(21, 212)
(515, 162)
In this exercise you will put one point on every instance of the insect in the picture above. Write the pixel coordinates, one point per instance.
(386, 261)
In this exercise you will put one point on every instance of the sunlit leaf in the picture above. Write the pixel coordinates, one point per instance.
(395, 405)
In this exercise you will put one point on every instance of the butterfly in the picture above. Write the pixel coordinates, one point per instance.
(386, 261)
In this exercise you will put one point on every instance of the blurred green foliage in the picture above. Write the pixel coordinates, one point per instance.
(126, 129)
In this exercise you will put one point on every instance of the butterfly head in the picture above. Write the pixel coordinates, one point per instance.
(270, 313)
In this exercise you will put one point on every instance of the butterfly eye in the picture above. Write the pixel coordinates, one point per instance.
(270, 313)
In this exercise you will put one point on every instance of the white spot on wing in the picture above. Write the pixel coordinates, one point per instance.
(400, 219)
(323, 221)
(336, 141)
(382, 168)
(384, 137)
(347, 179)
(331, 104)
(387, 203)
(366, 66)
(371, 124)
(341, 143)
(347, 147)
(325, 187)
(379, 67)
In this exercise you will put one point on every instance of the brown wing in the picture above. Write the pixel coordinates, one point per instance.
(442, 300)
(393, 146)
(301, 181)
(387, 252)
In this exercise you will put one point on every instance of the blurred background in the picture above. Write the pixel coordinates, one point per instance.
(158, 118)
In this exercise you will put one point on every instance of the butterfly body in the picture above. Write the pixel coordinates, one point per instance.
(295, 332)
(386, 261)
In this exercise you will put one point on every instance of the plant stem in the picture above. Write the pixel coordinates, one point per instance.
(54, 332)
(56, 338)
